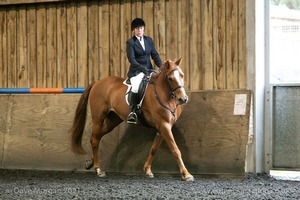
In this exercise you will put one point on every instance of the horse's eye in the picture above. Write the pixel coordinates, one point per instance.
(170, 78)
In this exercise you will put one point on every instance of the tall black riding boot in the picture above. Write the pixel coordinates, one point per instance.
(132, 117)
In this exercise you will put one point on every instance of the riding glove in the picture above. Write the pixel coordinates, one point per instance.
(145, 70)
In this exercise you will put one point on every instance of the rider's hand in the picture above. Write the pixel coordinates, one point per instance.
(145, 70)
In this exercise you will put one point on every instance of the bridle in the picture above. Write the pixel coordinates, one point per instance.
(171, 91)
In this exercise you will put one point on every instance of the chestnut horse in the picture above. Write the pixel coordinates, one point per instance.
(161, 108)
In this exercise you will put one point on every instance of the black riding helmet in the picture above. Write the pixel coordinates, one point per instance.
(137, 22)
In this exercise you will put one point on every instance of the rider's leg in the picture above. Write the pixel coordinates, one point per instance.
(132, 117)
(133, 101)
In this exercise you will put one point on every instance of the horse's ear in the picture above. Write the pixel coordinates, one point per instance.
(178, 61)
(167, 64)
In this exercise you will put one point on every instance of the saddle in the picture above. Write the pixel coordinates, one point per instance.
(140, 97)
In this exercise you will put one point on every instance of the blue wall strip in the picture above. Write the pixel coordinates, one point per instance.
(73, 90)
(14, 90)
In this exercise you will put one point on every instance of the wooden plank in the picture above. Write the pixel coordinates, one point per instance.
(179, 30)
(184, 41)
(125, 24)
(93, 42)
(3, 47)
(160, 28)
(72, 45)
(137, 10)
(151, 24)
(104, 38)
(195, 45)
(22, 68)
(234, 35)
(231, 44)
(171, 31)
(31, 41)
(207, 45)
(114, 47)
(82, 41)
(12, 48)
(219, 44)
(51, 78)
(41, 42)
(61, 45)
(4, 123)
(148, 17)
(242, 44)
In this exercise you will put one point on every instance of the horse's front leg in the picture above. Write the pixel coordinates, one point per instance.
(167, 134)
(156, 143)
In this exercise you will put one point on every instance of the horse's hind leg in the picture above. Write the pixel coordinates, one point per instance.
(98, 131)
(95, 140)
(156, 143)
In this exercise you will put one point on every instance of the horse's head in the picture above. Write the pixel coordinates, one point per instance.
(175, 80)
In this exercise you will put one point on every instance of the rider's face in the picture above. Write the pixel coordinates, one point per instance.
(139, 31)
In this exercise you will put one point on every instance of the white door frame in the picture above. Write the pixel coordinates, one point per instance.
(257, 34)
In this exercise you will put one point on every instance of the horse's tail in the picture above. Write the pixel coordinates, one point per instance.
(77, 128)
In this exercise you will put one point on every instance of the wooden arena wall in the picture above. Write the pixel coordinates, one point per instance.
(68, 44)
(211, 133)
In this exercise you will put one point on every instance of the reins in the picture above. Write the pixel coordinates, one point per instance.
(161, 103)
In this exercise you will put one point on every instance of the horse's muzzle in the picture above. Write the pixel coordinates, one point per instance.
(183, 100)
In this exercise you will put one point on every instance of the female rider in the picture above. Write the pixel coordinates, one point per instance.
(139, 48)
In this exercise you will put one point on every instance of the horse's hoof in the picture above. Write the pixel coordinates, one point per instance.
(150, 175)
(100, 173)
(89, 164)
(189, 178)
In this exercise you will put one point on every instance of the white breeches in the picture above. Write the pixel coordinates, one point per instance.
(135, 82)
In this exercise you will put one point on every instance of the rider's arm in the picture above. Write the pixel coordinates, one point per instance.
(131, 57)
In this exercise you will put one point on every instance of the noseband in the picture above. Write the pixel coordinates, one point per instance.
(172, 91)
